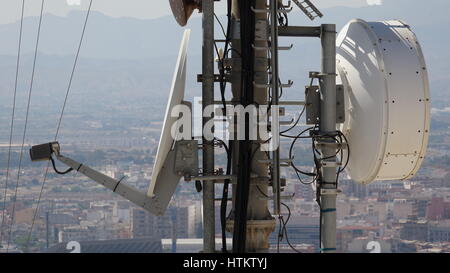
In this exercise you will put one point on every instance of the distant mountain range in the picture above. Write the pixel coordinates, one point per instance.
(129, 38)
(131, 61)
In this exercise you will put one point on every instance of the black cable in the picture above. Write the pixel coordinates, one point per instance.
(296, 137)
(340, 170)
(12, 120)
(296, 122)
(291, 152)
(299, 117)
(283, 19)
(224, 201)
(221, 25)
(118, 182)
(247, 32)
(223, 83)
(25, 126)
(348, 153)
(282, 230)
(280, 87)
(280, 233)
(56, 170)
(223, 204)
(285, 228)
(235, 51)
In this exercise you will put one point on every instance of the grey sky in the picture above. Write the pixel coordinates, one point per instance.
(10, 9)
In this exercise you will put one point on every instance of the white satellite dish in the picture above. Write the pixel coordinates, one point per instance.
(383, 71)
(164, 179)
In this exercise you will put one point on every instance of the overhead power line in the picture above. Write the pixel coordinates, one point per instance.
(25, 126)
(12, 121)
(69, 86)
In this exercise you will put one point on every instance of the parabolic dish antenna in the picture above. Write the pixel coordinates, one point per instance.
(384, 74)
(164, 180)
(183, 9)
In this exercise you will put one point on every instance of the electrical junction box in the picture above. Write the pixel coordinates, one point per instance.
(186, 158)
(312, 99)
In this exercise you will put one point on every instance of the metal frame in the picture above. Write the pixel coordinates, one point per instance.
(208, 146)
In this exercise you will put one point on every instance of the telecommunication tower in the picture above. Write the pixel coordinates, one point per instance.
(368, 115)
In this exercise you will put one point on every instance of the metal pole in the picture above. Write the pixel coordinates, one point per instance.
(275, 126)
(174, 230)
(208, 150)
(47, 230)
(328, 184)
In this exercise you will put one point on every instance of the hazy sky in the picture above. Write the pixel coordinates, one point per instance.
(10, 9)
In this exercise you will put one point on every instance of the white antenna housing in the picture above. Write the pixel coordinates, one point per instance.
(164, 180)
(384, 74)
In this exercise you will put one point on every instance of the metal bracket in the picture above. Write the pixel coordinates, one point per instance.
(330, 191)
(334, 145)
(286, 10)
(313, 98)
(286, 47)
(186, 158)
(43, 152)
(261, 85)
(214, 178)
(318, 75)
(287, 85)
(261, 48)
(330, 164)
(217, 78)
(282, 5)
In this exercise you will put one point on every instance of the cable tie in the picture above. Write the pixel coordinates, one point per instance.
(328, 249)
(117, 185)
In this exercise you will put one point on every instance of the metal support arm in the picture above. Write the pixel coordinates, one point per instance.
(46, 151)
(137, 197)
(299, 31)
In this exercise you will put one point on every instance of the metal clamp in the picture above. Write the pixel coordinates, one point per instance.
(330, 191)
(329, 164)
(289, 5)
(286, 47)
(318, 75)
(214, 178)
(335, 145)
(262, 48)
(287, 85)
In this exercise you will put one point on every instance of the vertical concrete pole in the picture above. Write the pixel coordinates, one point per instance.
(275, 126)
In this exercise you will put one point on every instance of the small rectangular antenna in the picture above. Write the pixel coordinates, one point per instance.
(309, 9)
